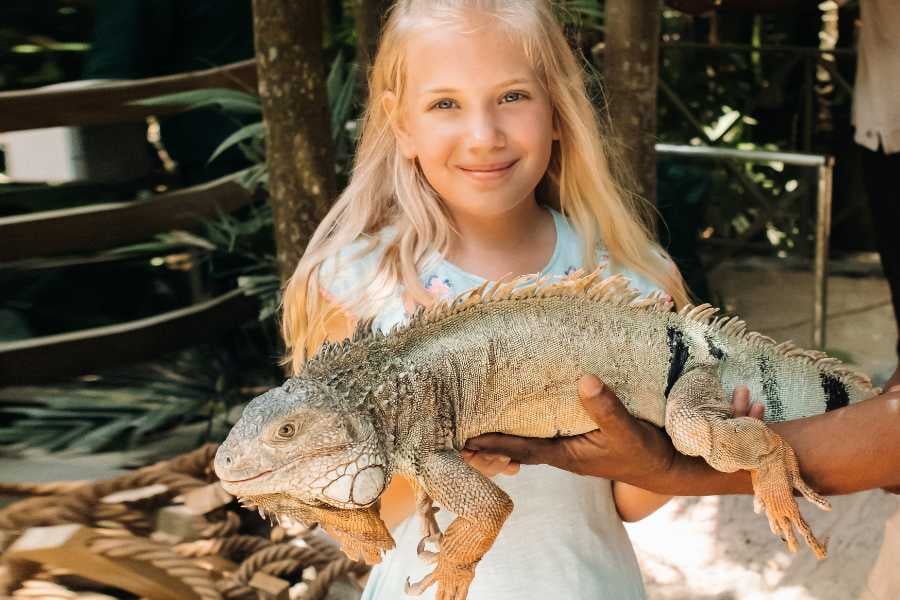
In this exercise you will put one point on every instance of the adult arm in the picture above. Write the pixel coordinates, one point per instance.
(843, 451)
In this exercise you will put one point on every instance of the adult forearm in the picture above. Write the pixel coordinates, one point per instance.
(848, 450)
(851, 449)
(692, 476)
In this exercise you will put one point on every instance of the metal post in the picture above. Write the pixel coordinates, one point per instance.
(823, 232)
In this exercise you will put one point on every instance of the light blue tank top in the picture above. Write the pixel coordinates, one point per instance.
(564, 539)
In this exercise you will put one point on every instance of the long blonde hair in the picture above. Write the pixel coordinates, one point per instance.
(388, 190)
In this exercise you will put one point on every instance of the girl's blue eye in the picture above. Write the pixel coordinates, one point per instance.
(444, 104)
(513, 96)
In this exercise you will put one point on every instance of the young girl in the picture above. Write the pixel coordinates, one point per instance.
(481, 157)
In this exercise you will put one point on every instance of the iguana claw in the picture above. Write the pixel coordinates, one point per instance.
(426, 510)
(427, 555)
(453, 581)
(416, 589)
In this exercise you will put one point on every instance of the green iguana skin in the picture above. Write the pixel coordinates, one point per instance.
(323, 446)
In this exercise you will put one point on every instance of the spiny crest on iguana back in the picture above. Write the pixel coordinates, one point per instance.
(613, 290)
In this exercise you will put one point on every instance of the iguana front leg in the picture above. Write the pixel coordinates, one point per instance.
(480, 508)
(700, 423)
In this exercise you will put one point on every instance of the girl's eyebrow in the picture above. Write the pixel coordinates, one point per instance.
(446, 90)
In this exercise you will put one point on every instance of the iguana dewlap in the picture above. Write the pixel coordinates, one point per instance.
(507, 358)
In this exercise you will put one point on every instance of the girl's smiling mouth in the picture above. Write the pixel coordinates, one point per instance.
(488, 172)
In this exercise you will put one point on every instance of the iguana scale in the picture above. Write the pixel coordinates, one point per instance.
(507, 357)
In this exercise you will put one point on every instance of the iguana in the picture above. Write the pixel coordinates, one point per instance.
(506, 357)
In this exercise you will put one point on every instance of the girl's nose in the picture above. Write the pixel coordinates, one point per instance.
(485, 131)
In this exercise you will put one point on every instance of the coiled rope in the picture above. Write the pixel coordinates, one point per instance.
(123, 530)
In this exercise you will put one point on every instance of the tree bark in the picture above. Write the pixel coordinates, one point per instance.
(370, 15)
(299, 152)
(631, 68)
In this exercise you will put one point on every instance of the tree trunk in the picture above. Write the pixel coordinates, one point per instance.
(295, 110)
(370, 16)
(631, 68)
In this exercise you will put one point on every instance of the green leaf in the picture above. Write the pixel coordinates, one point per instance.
(334, 82)
(102, 436)
(342, 104)
(63, 438)
(232, 101)
(45, 413)
(254, 130)
(253, 176)
(158, 247)
(158, 418)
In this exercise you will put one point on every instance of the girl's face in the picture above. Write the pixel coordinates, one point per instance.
(476, 119)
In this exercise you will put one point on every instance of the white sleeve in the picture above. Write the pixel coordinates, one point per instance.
(342, 276)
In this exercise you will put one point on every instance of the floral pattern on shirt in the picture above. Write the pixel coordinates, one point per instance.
(438, 287)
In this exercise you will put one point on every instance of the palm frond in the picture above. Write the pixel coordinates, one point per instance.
(232, 101)
(119, 410)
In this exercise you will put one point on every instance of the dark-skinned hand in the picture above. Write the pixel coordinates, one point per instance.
(622, 448)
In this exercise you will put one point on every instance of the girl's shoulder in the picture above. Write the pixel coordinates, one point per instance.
(353, 266)
(348, 279)
(570, 257)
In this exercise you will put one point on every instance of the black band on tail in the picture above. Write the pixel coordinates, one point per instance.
(678, 355)
(835, 392)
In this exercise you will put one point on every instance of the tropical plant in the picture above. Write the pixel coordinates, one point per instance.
(124, 408)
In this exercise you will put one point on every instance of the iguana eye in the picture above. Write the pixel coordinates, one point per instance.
(286, 431)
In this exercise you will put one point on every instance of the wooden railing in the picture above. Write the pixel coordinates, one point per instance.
(102, 226)
(110, 102)
(46, 358)
(96, 227)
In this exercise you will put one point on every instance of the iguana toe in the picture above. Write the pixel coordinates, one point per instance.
(427, 555)
(452, 579)
(418, 588)
(426, 511)
(773, 483)
(810, 494)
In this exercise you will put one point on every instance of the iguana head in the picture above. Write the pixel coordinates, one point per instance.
(303, 440)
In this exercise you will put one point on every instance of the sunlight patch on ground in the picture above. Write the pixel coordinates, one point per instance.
(682, 557)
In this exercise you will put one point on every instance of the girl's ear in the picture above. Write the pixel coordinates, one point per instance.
(391, 106)
(555, 126)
